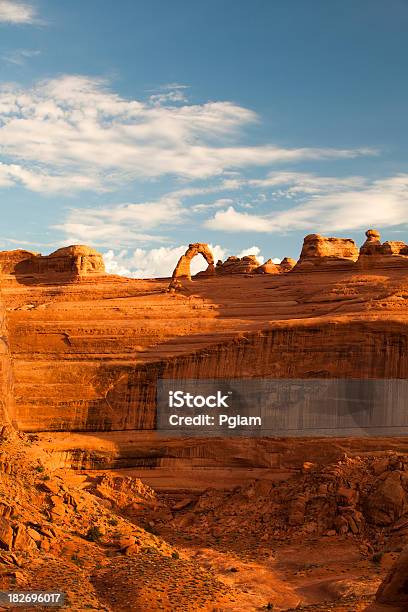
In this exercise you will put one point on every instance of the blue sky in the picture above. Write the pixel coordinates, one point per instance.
(140, 126)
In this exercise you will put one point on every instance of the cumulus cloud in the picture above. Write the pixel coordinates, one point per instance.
(156, 262)
(254, 250)
(17, 12)
(77, 128)
(121, 224)
(332, 206)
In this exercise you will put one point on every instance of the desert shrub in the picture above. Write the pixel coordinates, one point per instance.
(94, 534)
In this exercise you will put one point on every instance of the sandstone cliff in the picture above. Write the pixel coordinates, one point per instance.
(7, 412)
(87, 355)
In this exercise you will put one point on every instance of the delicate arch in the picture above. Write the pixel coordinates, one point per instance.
(182, 269)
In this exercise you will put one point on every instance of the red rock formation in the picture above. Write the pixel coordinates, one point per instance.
(238, 265)
(374, 254)
(75, 260)
(182, 269)
(393, 591)
(86, 356)
(287, 264)
(372, 245)
(268, 268)
(331, 253)
(9, 260)
(7, 413)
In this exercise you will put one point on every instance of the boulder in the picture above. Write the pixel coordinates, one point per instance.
(387, 501)
(393, 590)
(23, 539)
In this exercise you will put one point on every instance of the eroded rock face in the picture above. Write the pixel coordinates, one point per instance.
(12, 260)
(268, 268)
(6, 374)
(72, 260)
(287, 264)
(331, 253)
(388, 500)
(238, 265)
(182, 269)
(78, 258)
(375, 254)
(372, 245)
(394, 589)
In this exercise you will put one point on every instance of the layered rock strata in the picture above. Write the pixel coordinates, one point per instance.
(75, 260)
(238, 265)
(87, 355)
(331, 253)
(375, 254)
(7, 412)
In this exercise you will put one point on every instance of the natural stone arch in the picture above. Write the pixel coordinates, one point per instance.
(182, 269)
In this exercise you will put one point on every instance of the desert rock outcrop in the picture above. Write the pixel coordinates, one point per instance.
(87, 355)
(268, 268)
(375, 254)
(75, 260)
(182, 269)
(287, 264)
(330, 253)
(238, 265)
(6, 373)
(393, 591)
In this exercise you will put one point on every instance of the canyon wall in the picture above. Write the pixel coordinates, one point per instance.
(109, 396)
(7, 412)
(86, 355)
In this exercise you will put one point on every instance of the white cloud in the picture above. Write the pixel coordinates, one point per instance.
(305, 183)
(332, 207)
(254, 250)
(216, 204)
(18, 57)
(16, 12)
(160, 262)
(231, 220)
(76, 128)
(156, 262)
(171, 93)
(122, 224)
